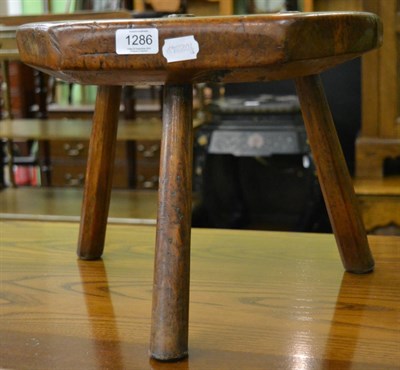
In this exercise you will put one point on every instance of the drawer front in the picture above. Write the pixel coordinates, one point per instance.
(79, 149)
(147, 164)
(71, 149)
(67, 174)
(148, 150)
(147, 178)
(68, 160)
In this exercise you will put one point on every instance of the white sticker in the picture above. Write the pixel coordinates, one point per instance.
(180, 48)
(136, 41)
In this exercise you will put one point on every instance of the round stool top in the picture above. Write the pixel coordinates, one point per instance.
(197, 49)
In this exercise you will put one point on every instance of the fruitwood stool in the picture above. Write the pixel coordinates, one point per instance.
(178, 52)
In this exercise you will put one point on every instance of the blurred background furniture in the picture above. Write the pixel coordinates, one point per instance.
(26, 94)
(378, 146)
(32, 97)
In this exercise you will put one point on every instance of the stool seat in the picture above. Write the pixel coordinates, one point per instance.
(228, 49)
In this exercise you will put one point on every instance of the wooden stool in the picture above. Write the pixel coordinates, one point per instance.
(179, 52)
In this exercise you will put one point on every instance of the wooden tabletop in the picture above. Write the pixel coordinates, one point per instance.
(259, 300)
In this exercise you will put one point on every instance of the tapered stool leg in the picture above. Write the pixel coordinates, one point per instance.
(334, 178)
(169, 333)
(99, 173)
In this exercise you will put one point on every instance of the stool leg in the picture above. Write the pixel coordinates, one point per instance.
(334, 178)
(99, 173)
(169, 332)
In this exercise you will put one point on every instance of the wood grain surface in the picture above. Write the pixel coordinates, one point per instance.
(170, 310)
(334, 177)
(259, 300)
(231, 49)
(99, 173)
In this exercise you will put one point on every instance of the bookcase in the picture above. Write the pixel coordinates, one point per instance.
(379, 140)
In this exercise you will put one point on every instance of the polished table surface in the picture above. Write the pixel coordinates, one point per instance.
(259, 300)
